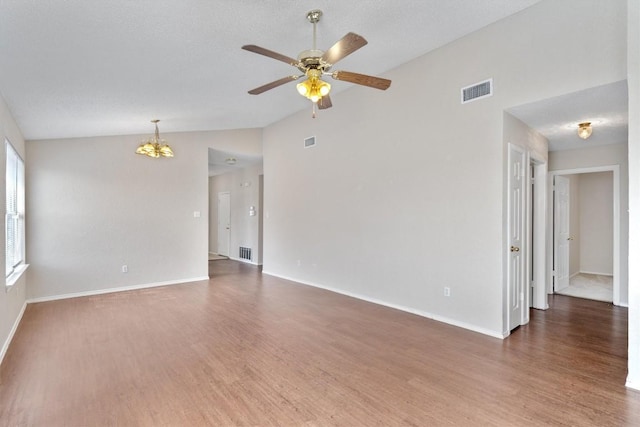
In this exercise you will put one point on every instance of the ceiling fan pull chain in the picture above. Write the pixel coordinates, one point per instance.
(313, 110)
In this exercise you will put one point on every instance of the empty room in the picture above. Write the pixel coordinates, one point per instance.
(283, 214)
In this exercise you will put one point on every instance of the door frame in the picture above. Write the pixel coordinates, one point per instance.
(617, 261)
(539, 235)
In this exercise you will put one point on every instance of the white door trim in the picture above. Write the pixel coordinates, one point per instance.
(617, 262)
(539, 234)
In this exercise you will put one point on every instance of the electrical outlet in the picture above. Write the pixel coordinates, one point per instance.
(447, 291)
(125, 269)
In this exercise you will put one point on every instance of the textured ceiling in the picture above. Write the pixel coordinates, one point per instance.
(557, 118)
(73, 68)
(221, 162)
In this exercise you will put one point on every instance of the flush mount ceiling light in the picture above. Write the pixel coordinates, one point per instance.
(230, 161)
(154, 146)
(584, 130)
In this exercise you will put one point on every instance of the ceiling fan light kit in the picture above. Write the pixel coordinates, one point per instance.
(315, 63)
(314, 88)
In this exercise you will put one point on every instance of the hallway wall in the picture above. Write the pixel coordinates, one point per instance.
(596, 223)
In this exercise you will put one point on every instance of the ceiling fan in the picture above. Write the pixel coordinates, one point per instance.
(315, 63)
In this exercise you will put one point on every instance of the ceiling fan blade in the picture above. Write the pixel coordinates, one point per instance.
(271, 54)
(362, 79)
(343, 47)
(324, 103)
(268, 86)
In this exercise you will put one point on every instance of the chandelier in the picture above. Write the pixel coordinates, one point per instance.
(154, 146)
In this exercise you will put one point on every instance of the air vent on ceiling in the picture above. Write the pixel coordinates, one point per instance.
(310, 142)
(477, 91)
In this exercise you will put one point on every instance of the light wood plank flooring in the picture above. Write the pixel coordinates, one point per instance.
(251, 350)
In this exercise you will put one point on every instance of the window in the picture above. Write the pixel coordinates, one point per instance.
(14, 215)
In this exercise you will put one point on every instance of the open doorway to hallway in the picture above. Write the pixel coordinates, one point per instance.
(583, 235)
(236, 187)
(606, 149)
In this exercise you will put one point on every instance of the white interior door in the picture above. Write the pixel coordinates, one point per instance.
(224, 223)
(516, 217)
(562, 238)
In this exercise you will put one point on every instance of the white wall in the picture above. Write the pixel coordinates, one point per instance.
(596, 223)
(94, 205)
(12, 301)
(245, 229)
(404, 193)
(517, 132)
(633, 70)
(607, 155)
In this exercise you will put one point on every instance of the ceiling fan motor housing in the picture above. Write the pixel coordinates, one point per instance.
(312, 58)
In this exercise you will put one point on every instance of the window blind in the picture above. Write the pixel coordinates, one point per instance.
(14, 214)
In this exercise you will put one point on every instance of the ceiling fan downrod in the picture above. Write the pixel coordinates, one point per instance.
(313, 17)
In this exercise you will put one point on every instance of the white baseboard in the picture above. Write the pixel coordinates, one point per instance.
(594, 272)
(632, 384)
(436, 317)
(14, 328)
(246, 261)
(111, 290)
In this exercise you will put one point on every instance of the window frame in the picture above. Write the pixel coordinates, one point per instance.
(15, 262)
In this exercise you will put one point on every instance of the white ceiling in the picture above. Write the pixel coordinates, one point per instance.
(221, 162)
(73, 68)
(557, 118)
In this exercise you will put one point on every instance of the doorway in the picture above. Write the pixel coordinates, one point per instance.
(584, 255)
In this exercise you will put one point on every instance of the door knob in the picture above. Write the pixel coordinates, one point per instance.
(515, 249)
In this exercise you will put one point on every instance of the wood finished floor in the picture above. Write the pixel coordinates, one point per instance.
(251, 350)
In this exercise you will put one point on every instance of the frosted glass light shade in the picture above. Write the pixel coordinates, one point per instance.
(585, 130)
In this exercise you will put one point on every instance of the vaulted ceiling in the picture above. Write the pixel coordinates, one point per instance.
(74, 68)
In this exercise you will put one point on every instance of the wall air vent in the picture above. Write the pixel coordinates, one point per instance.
(245, 253)
(310, 142)
(477, 91)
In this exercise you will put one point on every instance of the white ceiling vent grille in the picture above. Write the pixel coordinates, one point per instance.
(310, 142)
(477, 91)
